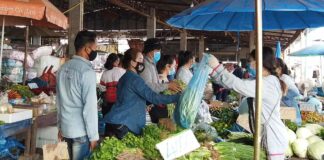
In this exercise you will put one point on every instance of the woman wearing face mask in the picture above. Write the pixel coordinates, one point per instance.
(109, 80)
(293, 92)
(165, 66)
(274, 133)
(128, 113)
(186, 60)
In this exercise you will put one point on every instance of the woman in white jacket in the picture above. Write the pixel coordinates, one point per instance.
(274, 134)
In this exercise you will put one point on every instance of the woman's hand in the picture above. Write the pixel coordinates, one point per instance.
(213, 61)
(174, 86)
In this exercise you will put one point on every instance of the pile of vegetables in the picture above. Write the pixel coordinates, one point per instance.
(20, 91)
(141, 146)
(305, 143)
(291, 125)
(227, 117)
(241, 137)
(231, 151)
(312, 117)
(171, 106)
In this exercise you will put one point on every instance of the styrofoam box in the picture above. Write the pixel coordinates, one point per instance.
(18, 115)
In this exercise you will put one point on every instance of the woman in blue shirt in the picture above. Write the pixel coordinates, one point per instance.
(128, 113)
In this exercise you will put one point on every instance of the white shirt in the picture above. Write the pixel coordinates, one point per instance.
(184, 74)
(112, 75)
(163, 79)
(277, 136)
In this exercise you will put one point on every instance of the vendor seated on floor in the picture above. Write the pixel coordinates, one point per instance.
(128, 113)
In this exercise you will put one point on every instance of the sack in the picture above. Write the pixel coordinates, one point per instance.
(56, 151)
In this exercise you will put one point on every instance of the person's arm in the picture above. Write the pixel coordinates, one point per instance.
(155, 86)
(102, 85)
(228, 80)
(90, 111)
(142, 89)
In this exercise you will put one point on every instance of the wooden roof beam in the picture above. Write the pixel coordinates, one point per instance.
(128, 7)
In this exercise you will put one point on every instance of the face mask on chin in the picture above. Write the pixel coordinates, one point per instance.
(139, 67)
(172, 71)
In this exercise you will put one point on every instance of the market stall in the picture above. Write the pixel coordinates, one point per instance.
(25, 108)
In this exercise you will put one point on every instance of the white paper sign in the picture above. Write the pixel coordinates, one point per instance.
(178, 145)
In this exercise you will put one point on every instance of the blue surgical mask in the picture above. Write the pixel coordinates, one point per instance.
(172, 71)
(157, 56)
(251, 70)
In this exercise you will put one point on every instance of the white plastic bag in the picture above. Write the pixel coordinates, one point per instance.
(42, 51)
(203, 115)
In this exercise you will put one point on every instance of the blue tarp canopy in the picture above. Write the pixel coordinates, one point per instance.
(314, 50)
(238, 15)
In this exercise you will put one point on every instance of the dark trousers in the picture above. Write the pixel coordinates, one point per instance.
(106, 108)
(157, 113)
(116, 130)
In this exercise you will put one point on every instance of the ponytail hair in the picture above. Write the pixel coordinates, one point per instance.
(271, 65)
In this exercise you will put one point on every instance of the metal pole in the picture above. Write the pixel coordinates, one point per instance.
(25, 58)
(259, 67)
(2, 40)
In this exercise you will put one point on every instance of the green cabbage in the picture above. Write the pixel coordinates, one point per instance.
(316, 150)
(314, 128)
(289, 153)
(291, 136)
(313, 139)
(299, 147)
(303, 133)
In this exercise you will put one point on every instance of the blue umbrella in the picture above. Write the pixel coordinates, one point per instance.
(278, 50)
(238, 15)
(314, 50)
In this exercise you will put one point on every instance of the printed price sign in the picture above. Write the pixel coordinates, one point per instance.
(178, 145)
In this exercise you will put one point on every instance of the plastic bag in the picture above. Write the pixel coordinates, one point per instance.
(208, 129)
(6, 147)
(203, 114)
(189, 102)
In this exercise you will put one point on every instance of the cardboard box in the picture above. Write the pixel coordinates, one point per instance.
(286, 113)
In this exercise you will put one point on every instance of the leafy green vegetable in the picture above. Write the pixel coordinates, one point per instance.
(172, 106)
(109, 149)
(222, 128)
(321, 134)
(231, 151)
(241, 137)
(201, 153)
(2, 123)
(291, 125)
(24, 91)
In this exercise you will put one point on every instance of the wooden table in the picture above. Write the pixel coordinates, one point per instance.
(24, 132)
(42, 121)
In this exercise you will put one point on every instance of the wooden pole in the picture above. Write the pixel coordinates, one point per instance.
(259, 67)
(2, 40)
(26, 50)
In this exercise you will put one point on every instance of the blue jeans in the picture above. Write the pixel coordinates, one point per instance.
(79, 148)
